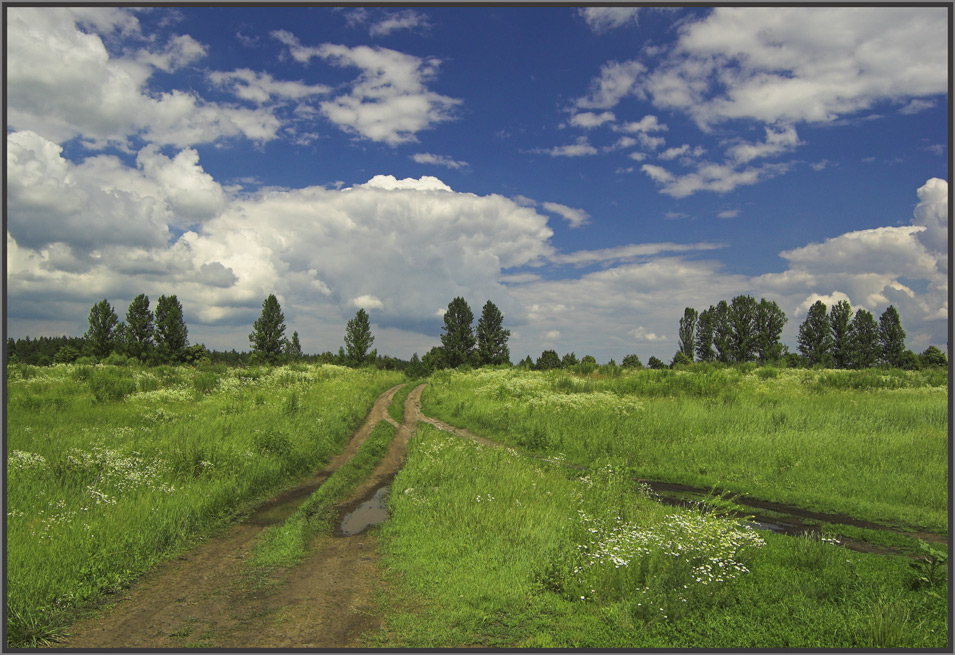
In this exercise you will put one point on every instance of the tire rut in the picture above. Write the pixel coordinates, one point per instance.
(782, 518)
(200, 598)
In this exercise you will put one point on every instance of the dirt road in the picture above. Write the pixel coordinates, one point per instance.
(204, 599)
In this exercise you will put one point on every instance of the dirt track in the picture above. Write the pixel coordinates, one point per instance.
(204, 599)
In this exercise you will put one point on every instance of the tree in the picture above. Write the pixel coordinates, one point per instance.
(100, 335)
(933, 357)
(139, 327)
(770, 320)
(458, 337)
(704, 336)
(655, 363)
(68, 354)
(840, 316)
(680, 359)
(293, 348)
(268, 331)
(568, 360)
(815, 337)
(549, 359)
(416, 368)
(741, 320)
(435, 359)
(171, 334)
(492, 337)
(722, 331)
(358, 338)
(526, 363)
(631, 361)
(688, 332)
(864, 340)
(892, 337)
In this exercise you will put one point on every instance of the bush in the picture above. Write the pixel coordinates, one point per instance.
(110, 384)
(655, 363)
(631, 361)
(115, 359)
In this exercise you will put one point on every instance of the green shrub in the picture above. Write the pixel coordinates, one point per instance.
(111, 384)
(204, 382)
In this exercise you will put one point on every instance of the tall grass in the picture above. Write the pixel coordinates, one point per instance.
(872, 444)
(488, 548)
(111, 469)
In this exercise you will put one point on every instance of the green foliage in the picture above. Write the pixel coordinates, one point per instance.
(655, 363)
(66, 355)
(815, 335)
(631, 361)
(933, 357)
(139, 327)
(770, 320)
(171, 334)
(704, 336)
(110, 384)
(864, 340)
(568, 360)
(293, 348)
(548, 360)
(458, 338)
(840, 316)
(358, 339)
(680, 359)
(492, 337)
(892, 338)
(268, 331)
(100, 336)
(688, 332)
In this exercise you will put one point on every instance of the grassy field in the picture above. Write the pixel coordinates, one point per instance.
(872, 444)
(112, 469)
(489, 548)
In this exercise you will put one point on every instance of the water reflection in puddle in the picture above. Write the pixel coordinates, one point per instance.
(371, 512)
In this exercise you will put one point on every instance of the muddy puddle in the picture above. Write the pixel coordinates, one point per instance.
(371, 512)
(284, 505)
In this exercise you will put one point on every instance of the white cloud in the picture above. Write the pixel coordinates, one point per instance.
(932, 213)
(719, 178)
(407, 19)
(684, 151)
(641, 334)
(648, 123)
(728, 213)
(777, 142)
(616, 80)
(589, 119)
(262, 87)
(367, 302)
(628, 252)
(601, 19)
(811, 64)
(575, 217)
(191, 192)
(552, 335)
(389, 101)
(580, 148)
(62, 83)
(439, 160)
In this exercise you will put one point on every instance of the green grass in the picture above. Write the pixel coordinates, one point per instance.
(488, 548)
(287, 543)
(872, 444)
(397, 407)
(111, 469)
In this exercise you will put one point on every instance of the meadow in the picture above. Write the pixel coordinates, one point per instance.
(547, 541)
(112, 469)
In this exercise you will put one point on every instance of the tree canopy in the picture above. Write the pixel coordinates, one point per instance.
(268, 331)
(458, 338)
(492, 337)
(358, 338)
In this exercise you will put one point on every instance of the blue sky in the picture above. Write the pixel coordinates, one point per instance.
(592, 171)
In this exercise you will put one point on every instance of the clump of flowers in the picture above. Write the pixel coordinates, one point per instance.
(20, 460)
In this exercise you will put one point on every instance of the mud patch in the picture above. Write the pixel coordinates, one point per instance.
(373, 511)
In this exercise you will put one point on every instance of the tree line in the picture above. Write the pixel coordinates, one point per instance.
(731, 332)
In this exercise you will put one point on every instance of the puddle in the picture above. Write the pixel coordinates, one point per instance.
(371, 512)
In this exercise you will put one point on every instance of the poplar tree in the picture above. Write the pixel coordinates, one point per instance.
(139, 327)
(688, 332)
(840, 316)
(171, 335)
(892, 337)
(741, 323)
(492, 337)
(100, 335)
(770, 320)
(268, 331)
(704, 336)
(722, 332)
(458, 338)
(358, 338)
(864, 340)
(815, 336)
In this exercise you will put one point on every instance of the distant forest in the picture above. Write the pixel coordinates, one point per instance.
(731, 332)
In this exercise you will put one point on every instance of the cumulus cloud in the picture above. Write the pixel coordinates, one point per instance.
(719, 178)
(580, 148)
(810, 64)
(616, 81)
(62, 83)
(589, 119)
(389, 102)
(575, 217)
(262, 87)
(601, 19)
(776, 142)
(439, 160)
